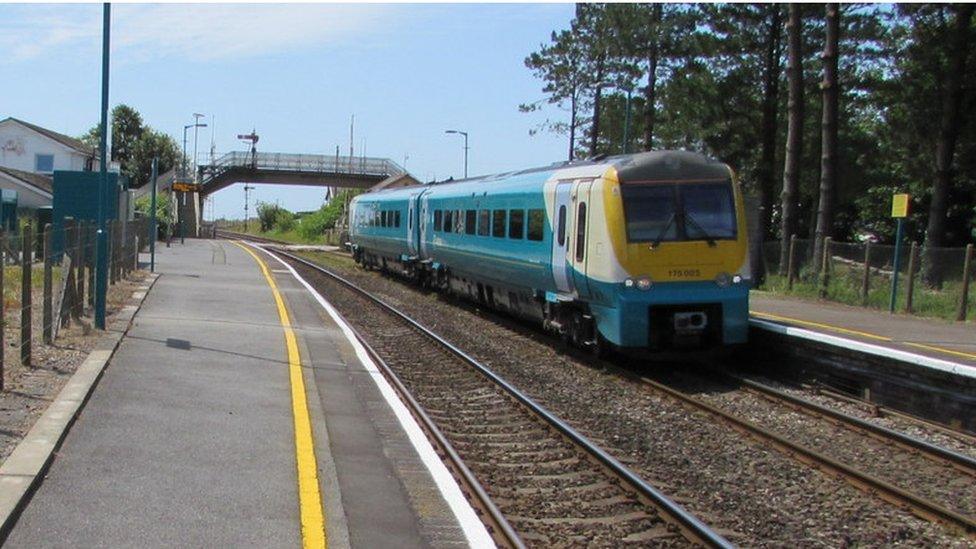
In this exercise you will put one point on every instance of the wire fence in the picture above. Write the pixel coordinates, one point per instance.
(48, 279)
(929, 281)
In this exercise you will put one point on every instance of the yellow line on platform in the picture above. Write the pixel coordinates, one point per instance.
(309, 496)
(970, 356)
(819, 325)
(771, 316)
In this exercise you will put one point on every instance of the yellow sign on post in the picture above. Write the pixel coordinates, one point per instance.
(899, 205)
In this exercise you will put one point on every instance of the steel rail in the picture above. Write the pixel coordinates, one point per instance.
(962, 462)
(498, 526)
(917, 505)
(693, 528)
(882, 410)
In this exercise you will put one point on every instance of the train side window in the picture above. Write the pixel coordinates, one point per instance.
(396, 219)
(498, 223)
(484, 222)
(562, 225)
(384, 218)
(516, 223)
(448, 220)
(581, 231)
(437, 220)
(470, 221)
(459, 221)
(537, 220)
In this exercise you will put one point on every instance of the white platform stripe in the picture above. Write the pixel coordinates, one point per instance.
(868, 348)
(474, 530)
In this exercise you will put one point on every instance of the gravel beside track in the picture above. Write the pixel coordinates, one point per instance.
(750, 494)
(916, 472)
(549, 490)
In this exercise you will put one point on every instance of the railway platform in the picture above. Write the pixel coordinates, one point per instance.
(932, 341)
(237, 412)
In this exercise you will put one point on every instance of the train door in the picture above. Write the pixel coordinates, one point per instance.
(562, 216)
(578, 255)
(413, 231)
(422, 223)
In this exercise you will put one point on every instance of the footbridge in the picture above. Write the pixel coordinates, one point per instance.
(296, 169)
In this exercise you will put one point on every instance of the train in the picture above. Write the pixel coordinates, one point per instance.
(636, 253)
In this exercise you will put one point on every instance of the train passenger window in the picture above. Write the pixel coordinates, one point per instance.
(448, 221)
(396, 218)
(484, 222)
(389, 218)
(470, 221)
(516, 223)
(384, 219)
(437, 220)
(498, 223)
(537, 221)
(581, 231)
(562, 225)
(459, 221)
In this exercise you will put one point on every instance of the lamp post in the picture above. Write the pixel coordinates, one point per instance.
(196, 128)
(627, 122)
(465, 134)
(188, 126)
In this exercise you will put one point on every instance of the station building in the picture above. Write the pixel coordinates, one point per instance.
(29, 155)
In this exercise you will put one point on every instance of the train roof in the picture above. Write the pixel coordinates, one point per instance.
(631, 168)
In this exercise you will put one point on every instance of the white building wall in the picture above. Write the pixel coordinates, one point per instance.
(27, 196)
(19, 147)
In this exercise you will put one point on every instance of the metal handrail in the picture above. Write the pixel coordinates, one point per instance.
(313, 163)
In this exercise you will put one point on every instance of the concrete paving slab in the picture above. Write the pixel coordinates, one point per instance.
(188, 439)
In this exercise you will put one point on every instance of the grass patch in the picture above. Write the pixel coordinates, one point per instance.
(846, 287)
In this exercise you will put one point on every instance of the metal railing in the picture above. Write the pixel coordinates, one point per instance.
(309, 163)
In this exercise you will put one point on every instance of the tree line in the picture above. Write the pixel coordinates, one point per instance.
(824, 110)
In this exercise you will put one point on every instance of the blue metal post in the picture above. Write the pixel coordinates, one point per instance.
(897, 262)
(101, 243)
(152, 218)
(627, 125)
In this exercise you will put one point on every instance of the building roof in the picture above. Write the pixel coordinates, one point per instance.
(65, 140)
(401, 180)
(42, 182)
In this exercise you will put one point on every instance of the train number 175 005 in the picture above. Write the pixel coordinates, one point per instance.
(684, 273)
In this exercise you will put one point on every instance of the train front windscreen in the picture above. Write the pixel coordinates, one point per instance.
(676, 212)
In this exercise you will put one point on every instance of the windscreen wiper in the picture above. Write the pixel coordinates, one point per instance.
(690, 219)
(660, 236)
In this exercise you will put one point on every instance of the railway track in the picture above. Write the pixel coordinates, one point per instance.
(943, 466)
(938, 509)
(536, 480)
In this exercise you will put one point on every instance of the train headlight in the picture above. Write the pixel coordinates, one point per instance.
(643, 283)
(723, 279)
(629, 283)
(736, 279)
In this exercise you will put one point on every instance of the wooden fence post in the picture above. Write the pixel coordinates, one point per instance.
(967, 273)
(77, 305)
(48, 316)
(866, 281)
(25, 297)
(825, 267)
(791, 264)
(82, 262)
(910, 290)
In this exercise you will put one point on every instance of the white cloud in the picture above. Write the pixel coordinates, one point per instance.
(189, 32)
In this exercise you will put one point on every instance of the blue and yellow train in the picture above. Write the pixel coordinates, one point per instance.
(639, 252)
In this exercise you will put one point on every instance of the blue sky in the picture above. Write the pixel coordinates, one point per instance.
(296, 73)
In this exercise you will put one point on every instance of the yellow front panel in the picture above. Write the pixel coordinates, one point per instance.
(673, 261)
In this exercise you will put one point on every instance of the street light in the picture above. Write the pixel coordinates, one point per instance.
(188, 126)
(196, 128)
(465, 134)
